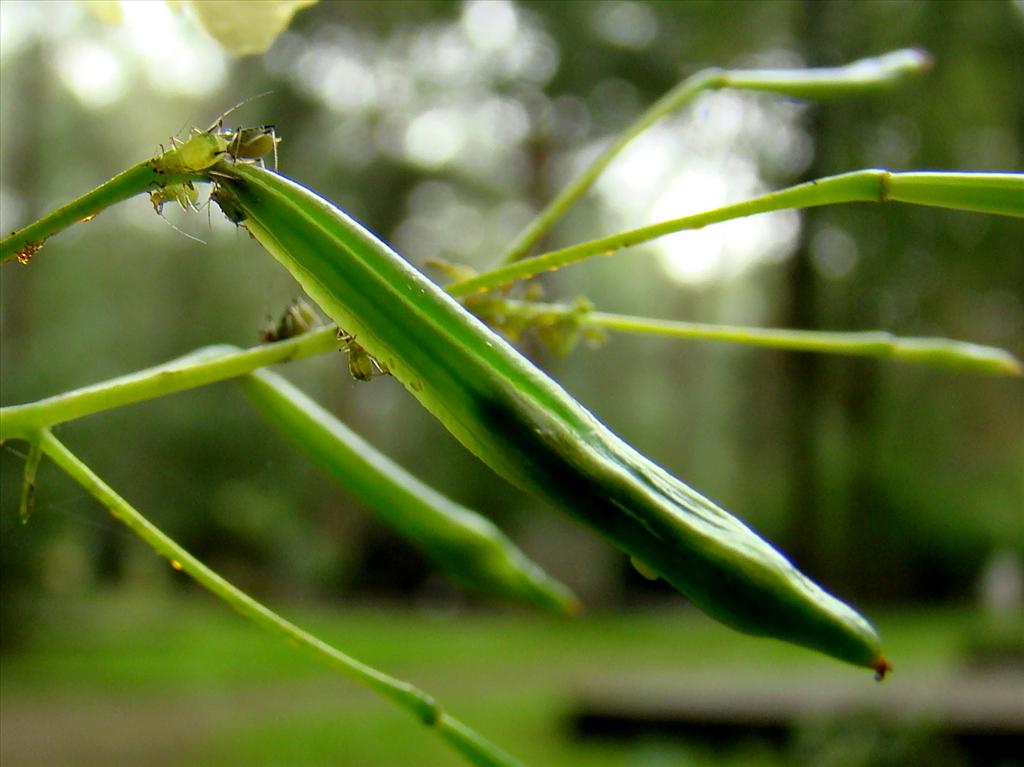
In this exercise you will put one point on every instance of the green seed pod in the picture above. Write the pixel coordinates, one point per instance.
(530, 431)
(470, 548)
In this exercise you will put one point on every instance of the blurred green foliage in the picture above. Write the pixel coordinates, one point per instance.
(126, 686)
(440, 125)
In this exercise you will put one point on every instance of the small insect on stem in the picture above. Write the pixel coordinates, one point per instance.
(204, 147)
(298, 318)
(247, 144)
(184, 194)
(253, 144)
(228, 204)
(199, 152)
(362, 365)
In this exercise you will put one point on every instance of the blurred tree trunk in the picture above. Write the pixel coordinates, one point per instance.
(20, 140)
(802, 373)
(866, 565)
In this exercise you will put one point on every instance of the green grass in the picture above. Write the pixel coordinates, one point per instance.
(223, 693)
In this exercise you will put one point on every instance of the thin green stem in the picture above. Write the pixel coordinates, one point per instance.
(467, 545)
(674, 99)
(138, 179)
(1000, 193)
(421, 705)
(860, 76)
(943, 352)
(190, 163)
(201, 367)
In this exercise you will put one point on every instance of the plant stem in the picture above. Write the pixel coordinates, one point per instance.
(1000, 193)
(198, 368)
(24, 243)
(857, 77)
(473, 746)
(218, 363)
(862, 76)
(942, 352)
(674, 99)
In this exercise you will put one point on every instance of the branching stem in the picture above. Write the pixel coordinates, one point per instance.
(421, 705)
(943, 352)
(860, 76)
(1000, 193)
(201, 367)
(138, 179)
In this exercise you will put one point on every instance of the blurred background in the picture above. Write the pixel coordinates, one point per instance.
(443, 126)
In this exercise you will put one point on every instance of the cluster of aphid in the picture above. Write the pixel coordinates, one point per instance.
(202, 149)
(299, 317)
(197, 155)
(560, 331)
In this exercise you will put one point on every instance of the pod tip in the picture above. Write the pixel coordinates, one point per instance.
(881, 667)
(573, 608)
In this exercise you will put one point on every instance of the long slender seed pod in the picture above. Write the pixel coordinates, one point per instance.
(469, 547)
(530, 431)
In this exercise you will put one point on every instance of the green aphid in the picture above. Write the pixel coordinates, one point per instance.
(252, 144)
(199, 152)
(247, 144)
(561, 331)
(203, 148)
(298, 318)
(228, 204)
(185, 194)
(362, 365)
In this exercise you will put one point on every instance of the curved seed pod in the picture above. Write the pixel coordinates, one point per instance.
(529, 430)
(470, 548)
